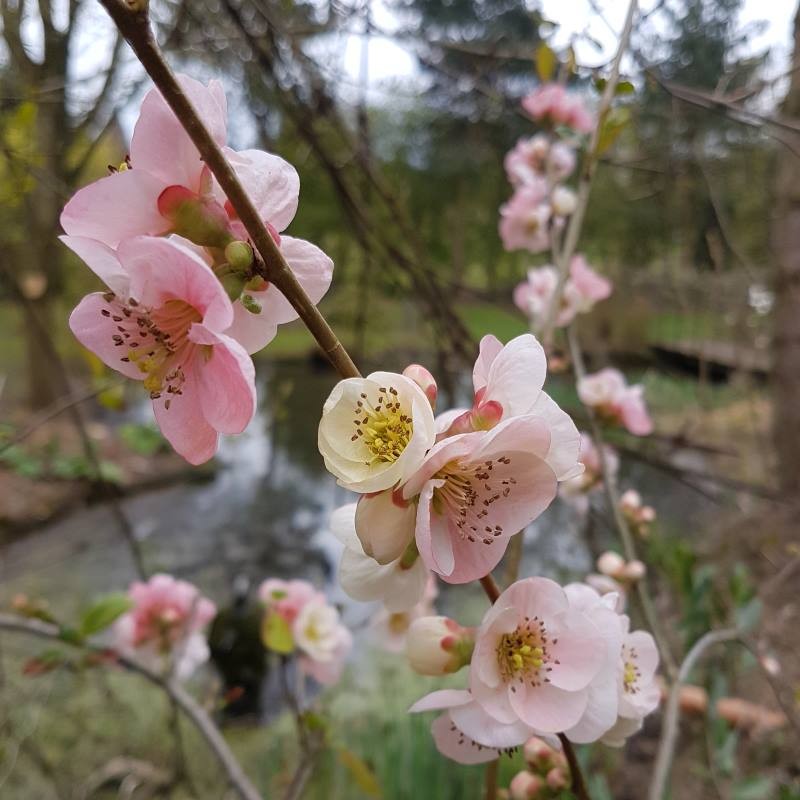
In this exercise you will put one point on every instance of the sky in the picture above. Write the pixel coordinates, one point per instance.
(389, 60)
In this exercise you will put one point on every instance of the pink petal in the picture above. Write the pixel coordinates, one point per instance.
(601, 710)
(489, 349)
(441, 699)
(580, 649)
(447, 450)
(516, 376)
(95, 332)
(535, 597)
(184, 424)
(646, 652)
(162, 270)
(547, 708)
(433, 539)
(455, 745)
(312, 268)
(161, 146)
(112, 209)
(484, 729)
(384, 529)
(565, 439)
(473, 560)
(102, 260)
(272, 184)
(226, 381)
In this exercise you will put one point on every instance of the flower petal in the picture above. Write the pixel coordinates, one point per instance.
(453, 744)
(384, 529)
(102, 260)
(516, 376)
(565, 439)
(547, 708)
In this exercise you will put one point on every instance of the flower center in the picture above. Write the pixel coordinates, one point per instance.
(468, 493)
(523, 655)
(156, 340)
(631, 672)
(384, 428)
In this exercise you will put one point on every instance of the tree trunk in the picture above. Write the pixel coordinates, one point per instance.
(786, 246)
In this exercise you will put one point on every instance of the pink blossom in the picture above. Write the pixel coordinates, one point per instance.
(322, 640)
(552, 103)
(609, 395)
(525, 162)
(165, 624)
(438, 645)
(639, 516)
(287, 598)
(507, 381)
(164, 323)
(534, 296)
(165, 178)
(589, 286)
(560, 161)
(537, 653)
(475, 491)
(592, 476)
(525, 786)
(524, 219)
(637, 687)
(390, 627)
(465, 732)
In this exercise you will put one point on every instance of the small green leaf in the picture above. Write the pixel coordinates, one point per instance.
(624, 87)
(747, 616)
(105, 611)
(615, 122)
(546, 62)
(360, 772)
(276, 634)
(754, 788)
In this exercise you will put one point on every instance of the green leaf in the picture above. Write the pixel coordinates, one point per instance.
(546, 62)
(276, 634)
(360, 772)
(100, 615)
(624, 87)
(754, 788)
(615, 122)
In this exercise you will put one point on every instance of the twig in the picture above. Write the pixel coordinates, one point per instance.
(587, 177)
(666, 747)
(185, 701)
(490, 587)
(490, 780)
(612, 497)
(578, 783)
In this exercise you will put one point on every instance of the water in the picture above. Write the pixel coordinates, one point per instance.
(264, 513)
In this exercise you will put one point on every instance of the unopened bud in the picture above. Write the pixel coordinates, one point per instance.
(538, 753)
(611, 564)
(250, 304)
(634, 571)
(438, 645)
(423, 378)
(556, 779)
(564, 201)
(201, 220)
(239, 256)
(630, 500)
(525, 786)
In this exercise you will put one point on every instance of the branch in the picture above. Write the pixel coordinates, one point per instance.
(578, 783)
(199, 718)
(134, 24)
(666, 747)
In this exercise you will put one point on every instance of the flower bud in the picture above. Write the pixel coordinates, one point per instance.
(438, 646)
(634, 571)
(525, 786)
(630, 500)
(423, 378)
(250, 304)
(611, 563)
(556, 779)
(201, 220)
(485, 416)
(538, 754)
(564, 201)
(239, 256)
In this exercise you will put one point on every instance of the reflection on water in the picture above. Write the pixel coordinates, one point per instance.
(264, 513)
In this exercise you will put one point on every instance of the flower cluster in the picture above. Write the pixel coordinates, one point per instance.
(639, 516)
(583, 288)
(536, 168)
(185, 306)
(447, 491)
(608, 394)
(547, 660)
(546, 775)
(163, 628)
(299, 620)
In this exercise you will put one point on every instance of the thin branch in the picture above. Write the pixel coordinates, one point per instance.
(490, 780)
(578, 783)
(669, 735)
(490, 587)
(198, 717)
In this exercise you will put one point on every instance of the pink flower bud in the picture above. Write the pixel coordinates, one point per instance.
(611, 564)
(201, 220)
(556, 779)
(564, 201)
(438, 645)
(423, 378)
(525, 786)
(634, 571)
(538, 753)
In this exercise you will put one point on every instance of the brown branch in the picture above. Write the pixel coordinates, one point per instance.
(490, 776)
(578, 783)
(198, 717)
(490, 587)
